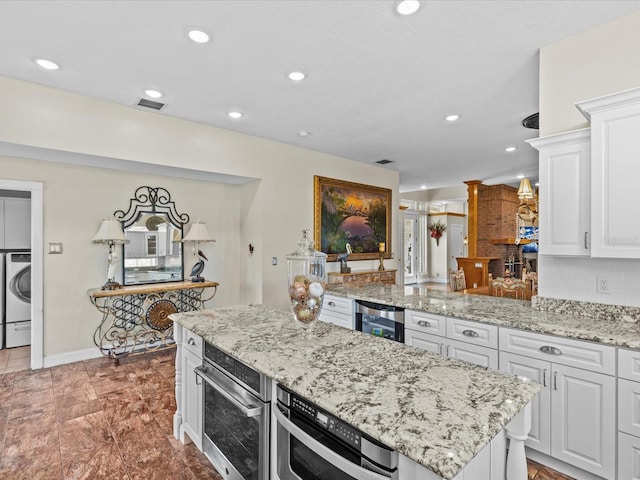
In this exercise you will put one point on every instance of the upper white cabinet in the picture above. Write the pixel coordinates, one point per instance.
(615, 169)
(564, 198)
(15, 231)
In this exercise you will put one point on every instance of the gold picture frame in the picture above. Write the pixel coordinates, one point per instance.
(353, 213)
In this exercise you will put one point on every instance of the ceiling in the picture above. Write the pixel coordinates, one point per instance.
(378, 84)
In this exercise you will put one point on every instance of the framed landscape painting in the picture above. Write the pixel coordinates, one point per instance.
(354, 214)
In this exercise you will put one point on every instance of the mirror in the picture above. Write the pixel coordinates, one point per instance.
(153, 227)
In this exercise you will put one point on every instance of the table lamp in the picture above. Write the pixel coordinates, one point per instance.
(198, 233)
(110, 233)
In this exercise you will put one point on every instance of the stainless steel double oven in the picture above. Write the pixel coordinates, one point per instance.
(236, 403)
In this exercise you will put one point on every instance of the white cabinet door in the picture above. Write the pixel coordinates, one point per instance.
(539, 371)
(565, 192)
(583, 419)
(628, 457)
(1, 223)
(467, 352)
(192, 398)
(615, 149)
(17, 223)
(424, 341)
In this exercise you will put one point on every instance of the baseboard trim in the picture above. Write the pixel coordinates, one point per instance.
(71, 357)
(560, 466)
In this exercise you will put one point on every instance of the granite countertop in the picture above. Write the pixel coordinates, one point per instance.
(622, 332)
(436, 411)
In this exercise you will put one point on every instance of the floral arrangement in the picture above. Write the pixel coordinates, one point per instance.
(437, 229)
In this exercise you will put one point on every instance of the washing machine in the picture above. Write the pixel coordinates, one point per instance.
(1, 301)
(17, 299)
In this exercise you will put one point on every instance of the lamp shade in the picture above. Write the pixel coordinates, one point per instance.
(525, 190)
(110, 232)
(198, 233)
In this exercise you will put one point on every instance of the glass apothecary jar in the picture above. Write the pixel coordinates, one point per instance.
(307, 279)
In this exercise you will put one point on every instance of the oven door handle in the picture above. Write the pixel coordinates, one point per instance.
(247, 410)
(351, 469)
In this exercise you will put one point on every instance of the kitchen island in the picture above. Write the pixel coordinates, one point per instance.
(437, 412)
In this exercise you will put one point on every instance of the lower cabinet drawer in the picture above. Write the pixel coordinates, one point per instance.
(629, 407)
(18, 334)
(339, 319)
(482, 356)
(629, 364)
(573, 353)
(628, 457)
(193, 343)
(425, 322)
(337, 305)
(472, 332)
(425, 341)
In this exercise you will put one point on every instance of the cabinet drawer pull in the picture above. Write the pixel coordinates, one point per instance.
(550, 350)
(424, 323)
(439, 349)
(544, 377)
(586, 236)
(470, 333)
(331, 304)
(555, 380)
(191, 341)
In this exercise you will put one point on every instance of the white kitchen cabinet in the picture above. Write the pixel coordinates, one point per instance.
(615, 149)
(425, 341)
(339, 311)
(15, 218)
(188, 416)
(565, 192)
(628, 457)
(539, 371)
(573, 419)
(583, 419)
(471, 342)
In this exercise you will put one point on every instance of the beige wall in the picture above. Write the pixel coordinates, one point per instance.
(591, 64)
(269, 212)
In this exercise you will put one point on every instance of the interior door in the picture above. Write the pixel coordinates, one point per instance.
(456, 247)
(410, 227)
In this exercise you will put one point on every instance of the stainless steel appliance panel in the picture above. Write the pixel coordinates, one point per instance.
(236, 416)
(314, 445)
(385, 321)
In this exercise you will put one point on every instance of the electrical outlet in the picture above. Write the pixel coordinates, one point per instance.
(603, 284)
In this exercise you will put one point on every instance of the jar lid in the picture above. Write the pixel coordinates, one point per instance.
(305, 248)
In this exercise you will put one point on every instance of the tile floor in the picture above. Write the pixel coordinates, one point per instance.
(94, 420)
(15, 359)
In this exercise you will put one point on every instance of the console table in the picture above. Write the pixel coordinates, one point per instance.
(136, 318)
(367, 276)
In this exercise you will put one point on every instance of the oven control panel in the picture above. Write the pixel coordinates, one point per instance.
(233, 367)
(337, 427)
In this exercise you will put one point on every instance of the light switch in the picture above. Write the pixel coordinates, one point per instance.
(55, 248)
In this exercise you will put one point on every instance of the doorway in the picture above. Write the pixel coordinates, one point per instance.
(456, 245)
(37, 260)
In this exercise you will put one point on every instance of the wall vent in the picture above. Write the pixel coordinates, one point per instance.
(143, 102)
(384, 161)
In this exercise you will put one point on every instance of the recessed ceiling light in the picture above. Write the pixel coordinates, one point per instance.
(234, 114)
(304, 133)
(407, 7)
(198, 35)
(452, 118)
(46, 64)
(520, 177)
(423, 187)
(510, 149)
(153, 93)
(296, 75)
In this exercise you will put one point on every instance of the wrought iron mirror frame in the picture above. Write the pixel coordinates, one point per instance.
(152, 200)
